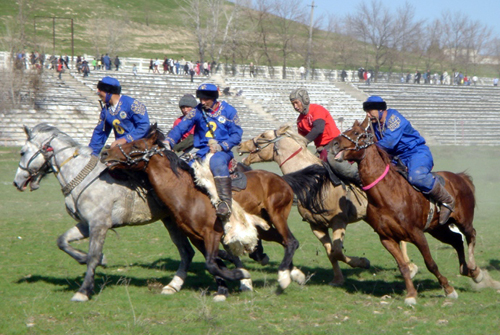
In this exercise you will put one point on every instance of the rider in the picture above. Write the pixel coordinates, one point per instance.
(316, 124)
(396, 135)
(217, 130)
(126, 116)
(186, 104)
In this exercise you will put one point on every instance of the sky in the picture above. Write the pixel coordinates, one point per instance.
(486, 11)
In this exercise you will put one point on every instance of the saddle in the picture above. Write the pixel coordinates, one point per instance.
(238, 178)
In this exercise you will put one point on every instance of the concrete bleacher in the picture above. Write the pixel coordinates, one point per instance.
(446, 115)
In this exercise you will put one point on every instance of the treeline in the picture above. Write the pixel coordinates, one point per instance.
(374, 36)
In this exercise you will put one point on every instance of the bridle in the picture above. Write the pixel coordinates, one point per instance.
(368, 142)
(47, 151)
(261, 144)
(141, 155)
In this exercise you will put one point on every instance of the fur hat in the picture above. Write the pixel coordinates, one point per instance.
(109, 85)
(374, 103)
(301, 95)
(188, 100)
(207, 91)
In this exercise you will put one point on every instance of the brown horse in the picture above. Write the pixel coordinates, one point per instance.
(344, 205)
(267, 195)
(397, 212)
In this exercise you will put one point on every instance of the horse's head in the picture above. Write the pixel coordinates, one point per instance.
(262, 147)
(351, 144)
(133, 155)
(35, 155)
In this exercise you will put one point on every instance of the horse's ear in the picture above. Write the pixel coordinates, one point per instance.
(356, 123)
(27, 132)
(283, 129)
(152, 129)
(365, 123)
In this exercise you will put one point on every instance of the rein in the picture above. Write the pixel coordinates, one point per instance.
(144, 155)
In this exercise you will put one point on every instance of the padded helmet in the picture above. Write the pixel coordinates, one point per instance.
(374, 103)
(207, 91)
(301, 95)
(188, 100)
(109, 85)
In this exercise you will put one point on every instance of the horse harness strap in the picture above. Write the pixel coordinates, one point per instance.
(66, 190)
(75, 154)
(291, 156)
(366, 188)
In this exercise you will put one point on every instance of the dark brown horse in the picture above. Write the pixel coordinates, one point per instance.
(397, 212)
(267, 195)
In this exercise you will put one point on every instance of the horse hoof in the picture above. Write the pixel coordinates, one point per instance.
(479, 278)
(284, 279)
(168, 290)
(246, 274)
(246, 285)
(219, 298)
(413, 270)
(410, 301)
(452, 295)
(265, 260)
(337, 282)
(80, 297)
(298, 276)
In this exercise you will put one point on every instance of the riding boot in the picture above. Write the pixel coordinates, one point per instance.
(446, 201)
(223, 186)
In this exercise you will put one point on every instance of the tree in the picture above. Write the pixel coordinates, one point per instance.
(289, 13)
(373, 24)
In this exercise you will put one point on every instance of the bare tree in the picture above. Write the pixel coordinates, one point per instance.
(373, 24)
(289, 13)
(407, 33)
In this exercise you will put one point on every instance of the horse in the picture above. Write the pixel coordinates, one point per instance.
(344, 205)
(394, 220)
(96, 200)
(266, 195)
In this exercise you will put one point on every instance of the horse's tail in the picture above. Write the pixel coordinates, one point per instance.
(308, 185)
(468, 180)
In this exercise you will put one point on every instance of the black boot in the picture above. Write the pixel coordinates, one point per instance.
(446, 201)
(223, 186)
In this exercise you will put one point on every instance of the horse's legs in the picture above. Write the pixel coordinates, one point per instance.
(245, 284)
(283, 236)
(78, 232)
(258, 254)
(321, 233)
(393, 247)
(97, 236)
(186, 253)
(338, 248)
(421, 242)
(413, 266)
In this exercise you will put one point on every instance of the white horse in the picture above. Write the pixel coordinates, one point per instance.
(96, 200)
(343, 205)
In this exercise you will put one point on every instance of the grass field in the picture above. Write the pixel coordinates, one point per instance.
(37, 280)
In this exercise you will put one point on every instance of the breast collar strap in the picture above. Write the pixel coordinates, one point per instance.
(366, 188)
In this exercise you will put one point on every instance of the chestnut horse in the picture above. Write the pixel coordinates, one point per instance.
(344, 205)
(398, 212)
(267, 195)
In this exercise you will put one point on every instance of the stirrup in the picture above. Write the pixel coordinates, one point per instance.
(223, 210)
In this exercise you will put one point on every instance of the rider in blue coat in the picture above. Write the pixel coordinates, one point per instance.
(396, 135)
(217, 129)
(126, 116)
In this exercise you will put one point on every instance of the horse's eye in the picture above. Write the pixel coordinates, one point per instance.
(22, 153)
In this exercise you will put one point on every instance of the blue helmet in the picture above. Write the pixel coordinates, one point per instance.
(374, 102)
(207, 91)
(109, 85)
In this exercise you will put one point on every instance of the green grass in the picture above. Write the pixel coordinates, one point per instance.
(37, 280)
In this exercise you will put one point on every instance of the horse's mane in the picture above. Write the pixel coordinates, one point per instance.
(301, 140)
(48, 130)
(175, 162)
